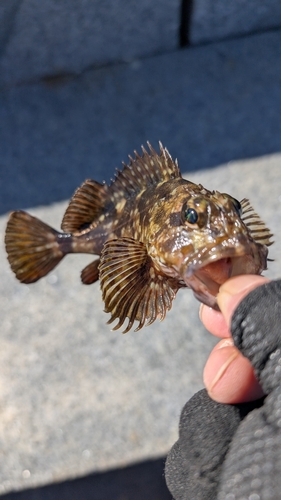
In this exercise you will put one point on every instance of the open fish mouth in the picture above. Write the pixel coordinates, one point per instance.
(206, 274)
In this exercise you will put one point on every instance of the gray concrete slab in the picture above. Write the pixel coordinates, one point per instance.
(40, 39)
(75, 397)
(208, 105)
(216, 19)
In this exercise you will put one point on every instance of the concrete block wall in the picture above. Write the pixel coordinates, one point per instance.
(219, 19)
(52, 38)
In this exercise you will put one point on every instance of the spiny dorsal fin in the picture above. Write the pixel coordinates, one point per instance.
(90, 273)
(131, 287)
(259, 232)
(87, 203)
(144, 170)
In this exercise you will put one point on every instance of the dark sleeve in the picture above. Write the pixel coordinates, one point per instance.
(206, 429)
(234, 451)
(252, 468)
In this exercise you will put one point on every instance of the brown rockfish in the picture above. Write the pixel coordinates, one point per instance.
(154, 232)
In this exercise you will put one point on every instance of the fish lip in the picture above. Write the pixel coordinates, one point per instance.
(196, 265)
(225, 249)
(203, 286)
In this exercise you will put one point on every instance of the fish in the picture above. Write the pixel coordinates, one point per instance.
(153, 232)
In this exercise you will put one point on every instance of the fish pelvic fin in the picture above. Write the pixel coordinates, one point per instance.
(89, 201)
(32, 247)
(131, 287)
(90, 273)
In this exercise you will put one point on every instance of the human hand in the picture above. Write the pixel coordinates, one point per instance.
(228, 375)
(233, 450)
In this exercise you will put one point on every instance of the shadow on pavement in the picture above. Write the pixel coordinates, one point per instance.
(144, 481)
(208, 105)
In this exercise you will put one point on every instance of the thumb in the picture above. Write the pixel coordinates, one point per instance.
(228, 375)
(234, 290)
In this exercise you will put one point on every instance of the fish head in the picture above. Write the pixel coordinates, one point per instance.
(208, 238)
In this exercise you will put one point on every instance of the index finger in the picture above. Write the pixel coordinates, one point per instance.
(214, 321)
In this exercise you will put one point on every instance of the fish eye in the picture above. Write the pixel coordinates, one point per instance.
(190, 215)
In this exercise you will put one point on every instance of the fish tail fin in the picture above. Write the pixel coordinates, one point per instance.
(32, 247)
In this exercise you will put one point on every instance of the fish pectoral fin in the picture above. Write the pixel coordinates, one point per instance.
(90, 273)
(131, 287)
(87, 203)
(32, 247)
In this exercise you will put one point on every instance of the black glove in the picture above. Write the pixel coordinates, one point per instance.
(233, 452)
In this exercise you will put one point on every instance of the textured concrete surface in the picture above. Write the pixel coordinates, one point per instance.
(50, 38)
(75, 397)
(216, 19)
(40, 39)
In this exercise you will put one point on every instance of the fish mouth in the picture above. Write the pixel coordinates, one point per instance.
(204, 274)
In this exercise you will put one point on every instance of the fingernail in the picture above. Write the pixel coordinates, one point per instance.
(226, 343)
(223, 369)
(237, 286)
(200, 311)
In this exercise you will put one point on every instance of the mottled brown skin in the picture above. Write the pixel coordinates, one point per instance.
(141, 217)
(154, 232)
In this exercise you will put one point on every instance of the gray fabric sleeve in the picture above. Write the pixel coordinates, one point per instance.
(252, 468)
(194, 464)
(233, 452)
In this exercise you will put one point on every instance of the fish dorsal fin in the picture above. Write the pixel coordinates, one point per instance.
(87, 203)
(259, 232)
(143, 171)
(131, 287)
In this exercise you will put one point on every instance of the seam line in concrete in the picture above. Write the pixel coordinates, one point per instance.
(185, 21)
